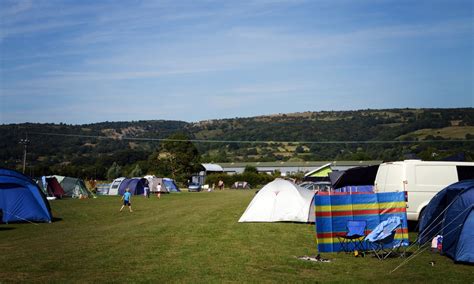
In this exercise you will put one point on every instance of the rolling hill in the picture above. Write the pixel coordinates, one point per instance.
(392, 134)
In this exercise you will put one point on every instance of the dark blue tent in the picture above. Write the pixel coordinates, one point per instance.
(136, 186)
(21, 199)
(451, 214)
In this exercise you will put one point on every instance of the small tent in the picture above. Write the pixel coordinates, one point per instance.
(136, 186)
(280, 200)
(450, 213)
(51, 187)
(240, 185)
(170, 185)
(73, 187)
(167, 185)
(21, 199)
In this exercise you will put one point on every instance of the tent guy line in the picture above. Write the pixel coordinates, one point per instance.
(249, 141)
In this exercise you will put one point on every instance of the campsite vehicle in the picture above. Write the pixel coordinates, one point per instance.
(319, 186)
(194, 186)
(420, 180)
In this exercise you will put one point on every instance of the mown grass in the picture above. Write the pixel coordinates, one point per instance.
(188, 237)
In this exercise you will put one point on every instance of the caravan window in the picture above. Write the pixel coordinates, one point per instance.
(465, 172)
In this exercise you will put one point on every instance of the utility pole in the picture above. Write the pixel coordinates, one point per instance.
(25, 143)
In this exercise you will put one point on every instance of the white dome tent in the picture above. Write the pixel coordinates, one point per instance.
(280, 201)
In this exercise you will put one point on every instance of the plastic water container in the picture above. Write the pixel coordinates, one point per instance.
(440, 243)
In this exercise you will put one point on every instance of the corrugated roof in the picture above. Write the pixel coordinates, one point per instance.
(300, 164)
(212, 168)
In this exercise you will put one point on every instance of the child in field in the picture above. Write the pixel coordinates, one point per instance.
(158, 188)
(127, 196)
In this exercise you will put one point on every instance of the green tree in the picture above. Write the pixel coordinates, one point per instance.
(114, 171)
(178, 158)
(250, 169)
(137, 171)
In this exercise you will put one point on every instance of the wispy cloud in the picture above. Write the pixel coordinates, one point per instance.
(13, 8)
(228, 55)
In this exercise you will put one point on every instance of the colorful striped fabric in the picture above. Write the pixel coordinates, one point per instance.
(333, 211)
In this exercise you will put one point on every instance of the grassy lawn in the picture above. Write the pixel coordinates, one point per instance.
(188, 237)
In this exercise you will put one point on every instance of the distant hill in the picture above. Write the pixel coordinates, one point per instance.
(89, 150)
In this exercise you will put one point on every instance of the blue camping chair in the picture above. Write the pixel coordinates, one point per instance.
(382, 239)
(354, 236)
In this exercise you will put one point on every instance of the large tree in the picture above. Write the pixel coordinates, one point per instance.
(114, 171)
(177, 157)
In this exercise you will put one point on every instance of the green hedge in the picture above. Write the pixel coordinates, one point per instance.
(255, 180)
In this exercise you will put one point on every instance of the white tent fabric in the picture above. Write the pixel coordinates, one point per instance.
(114, 186)
(279, 201)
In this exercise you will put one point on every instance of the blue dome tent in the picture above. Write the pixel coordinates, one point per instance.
(170, 185)
(21, 199)
(451, 214)
(136, 186)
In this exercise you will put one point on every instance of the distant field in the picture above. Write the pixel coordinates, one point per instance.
(188, 237)
(453, 132)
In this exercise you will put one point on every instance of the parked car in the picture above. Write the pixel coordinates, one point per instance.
(194, 186)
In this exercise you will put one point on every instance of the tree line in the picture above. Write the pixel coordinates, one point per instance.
(82, 150)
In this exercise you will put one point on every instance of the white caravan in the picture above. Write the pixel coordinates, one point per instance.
(420, 180)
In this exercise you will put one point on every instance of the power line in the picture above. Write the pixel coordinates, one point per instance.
(250, 141)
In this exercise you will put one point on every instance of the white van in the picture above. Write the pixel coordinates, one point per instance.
(420, 180)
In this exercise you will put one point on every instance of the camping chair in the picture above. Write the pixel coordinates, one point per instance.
(382, 239)
(352, 239)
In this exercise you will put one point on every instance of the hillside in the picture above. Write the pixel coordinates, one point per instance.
(89, 150)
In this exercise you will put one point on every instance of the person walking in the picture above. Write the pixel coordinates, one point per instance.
(127, 196)
(146, 192)
(158, 188)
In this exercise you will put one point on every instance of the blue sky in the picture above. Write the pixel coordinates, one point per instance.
(90, 61)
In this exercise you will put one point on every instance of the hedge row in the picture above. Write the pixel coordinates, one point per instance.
(255, 180)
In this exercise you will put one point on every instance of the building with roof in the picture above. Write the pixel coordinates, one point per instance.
(288, 167)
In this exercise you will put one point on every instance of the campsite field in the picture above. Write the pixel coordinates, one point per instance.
(188, 237)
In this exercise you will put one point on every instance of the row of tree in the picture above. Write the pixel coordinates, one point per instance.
(80, 150)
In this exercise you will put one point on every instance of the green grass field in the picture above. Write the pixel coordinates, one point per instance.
(188, 237)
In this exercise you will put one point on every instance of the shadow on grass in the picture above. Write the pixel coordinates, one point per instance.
(6, 228)
(56, 219)
(413, 226)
